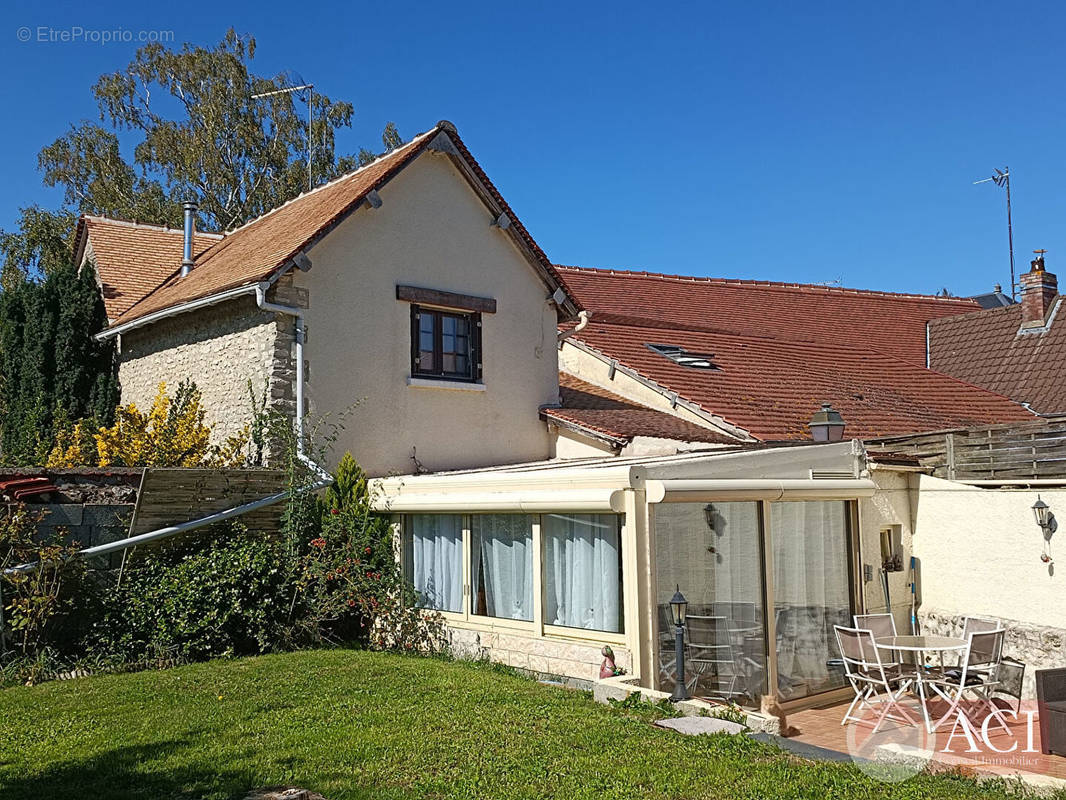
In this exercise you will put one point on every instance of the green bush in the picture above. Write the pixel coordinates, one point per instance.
(41, 610)
(220, 594)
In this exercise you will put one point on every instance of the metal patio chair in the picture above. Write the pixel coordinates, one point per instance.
(882, 626)
(870, 677)
(976, 675)
(711, 651)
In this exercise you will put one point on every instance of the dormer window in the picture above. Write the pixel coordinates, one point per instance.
(685, 358)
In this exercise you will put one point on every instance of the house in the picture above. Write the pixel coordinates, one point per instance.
(1017, 350)
(562, 447)
(410, 286)
(772, 539)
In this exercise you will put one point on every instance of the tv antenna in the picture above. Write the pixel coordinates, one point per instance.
(310, 88)
(1002, 178)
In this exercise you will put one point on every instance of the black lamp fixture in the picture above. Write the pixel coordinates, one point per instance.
(827, 425)
(678, 610)
(1042, 512)
(1044, 518)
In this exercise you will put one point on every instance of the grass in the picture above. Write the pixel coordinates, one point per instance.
(352, 724)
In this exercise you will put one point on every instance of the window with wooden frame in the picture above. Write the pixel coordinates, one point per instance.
(445, 344)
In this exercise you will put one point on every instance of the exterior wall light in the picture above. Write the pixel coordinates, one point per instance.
(678, 610)
(827, 425)
(1046, 520)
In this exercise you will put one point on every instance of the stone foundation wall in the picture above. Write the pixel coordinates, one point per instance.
(1036, 646)
(221, 348)
(544, 656)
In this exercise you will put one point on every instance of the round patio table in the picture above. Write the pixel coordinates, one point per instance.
(919, 645)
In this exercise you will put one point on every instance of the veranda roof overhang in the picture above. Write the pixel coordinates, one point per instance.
(603, 485)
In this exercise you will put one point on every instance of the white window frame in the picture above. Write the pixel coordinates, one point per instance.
(537, 628)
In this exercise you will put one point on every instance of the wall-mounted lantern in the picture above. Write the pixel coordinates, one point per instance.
(1046, 520)
(827, 425)
(678, 610)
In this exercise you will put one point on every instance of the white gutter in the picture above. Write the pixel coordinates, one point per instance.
(298, 316)
(323, 478)
(682, 491)
(192, 305)
(583, 318)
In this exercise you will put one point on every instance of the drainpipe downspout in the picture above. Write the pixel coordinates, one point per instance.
(298, 317)
(583, 318)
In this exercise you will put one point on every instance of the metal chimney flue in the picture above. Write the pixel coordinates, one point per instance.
(189, 207)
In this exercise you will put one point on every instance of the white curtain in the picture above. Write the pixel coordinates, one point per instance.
(582, 574)
(810, 590)
(502, 551)
(435, 560)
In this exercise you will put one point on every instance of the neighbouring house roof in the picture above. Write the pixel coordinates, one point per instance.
(986, 348)
(261, 249)
(770, 354)
(605, 414)
(993, 299)
(885, 321)
(132, 258)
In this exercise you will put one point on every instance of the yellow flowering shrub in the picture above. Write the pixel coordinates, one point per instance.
(171, 434)
(74, 447)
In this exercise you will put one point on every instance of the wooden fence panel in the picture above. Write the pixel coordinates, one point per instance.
(1023, 451)
(170, 496)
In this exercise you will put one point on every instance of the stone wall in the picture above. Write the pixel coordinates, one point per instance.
(541, 655)
(1036, 646)
(220, 347)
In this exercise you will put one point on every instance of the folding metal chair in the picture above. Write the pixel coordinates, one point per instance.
(976, 674)
(882, 626)
(869, 676)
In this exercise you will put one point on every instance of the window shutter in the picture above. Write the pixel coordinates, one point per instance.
(414, 339)
(476, 348)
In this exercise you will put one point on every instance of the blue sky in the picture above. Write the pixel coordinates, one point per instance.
(783, 141)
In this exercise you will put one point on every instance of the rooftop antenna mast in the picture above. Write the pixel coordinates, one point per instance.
(310, 87)
(1002, 178)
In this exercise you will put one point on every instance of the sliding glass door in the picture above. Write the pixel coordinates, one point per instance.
(812, 593)
(713, 553)
(766, 582)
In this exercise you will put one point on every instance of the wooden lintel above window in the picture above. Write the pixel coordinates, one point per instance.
(434, 297)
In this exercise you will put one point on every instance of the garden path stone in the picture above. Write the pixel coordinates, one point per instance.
(694, 726)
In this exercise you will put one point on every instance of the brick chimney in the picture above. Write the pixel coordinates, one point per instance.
(1039, 291)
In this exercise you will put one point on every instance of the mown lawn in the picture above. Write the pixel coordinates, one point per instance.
(354, 724)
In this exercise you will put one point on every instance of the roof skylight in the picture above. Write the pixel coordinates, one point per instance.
(685, 358)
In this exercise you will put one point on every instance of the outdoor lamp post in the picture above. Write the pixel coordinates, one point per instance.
(678, 607)
(827, 425)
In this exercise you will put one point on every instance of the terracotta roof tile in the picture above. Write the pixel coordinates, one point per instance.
(254, 252)
(598, 410)
(132, 259)
(985, 348)
(885, 321)
(771, 387)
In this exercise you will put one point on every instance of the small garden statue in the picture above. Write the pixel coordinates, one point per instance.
(608, 668)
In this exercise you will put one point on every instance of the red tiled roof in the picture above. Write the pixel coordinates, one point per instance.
(255, 251)
(986, 349)
(891, 323)
(600, 411)
(132, 258)
(770, 387)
